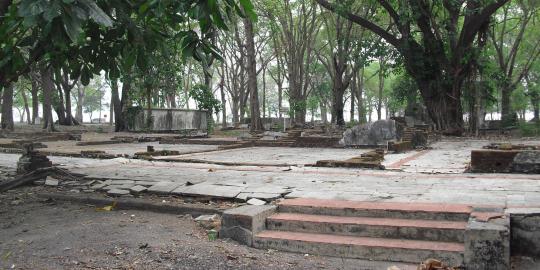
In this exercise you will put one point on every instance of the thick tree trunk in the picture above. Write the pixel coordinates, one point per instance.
(338, 91)
(7, 108)
(80, 103)
(116, 105)
(508, 116)
(35, 99)
(236, 112)
(48, 88)
(121, 105)
(69, 116)
(255, 112)
(59, 107)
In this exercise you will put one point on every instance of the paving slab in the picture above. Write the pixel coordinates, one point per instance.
(272, 155)
(125, 148)
(209, 190)
(402, 185)
(164, 187)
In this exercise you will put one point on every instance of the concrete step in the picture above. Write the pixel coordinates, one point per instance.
(383, 249)
(427, 211)
(430, 230)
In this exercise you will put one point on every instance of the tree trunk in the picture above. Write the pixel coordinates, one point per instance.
(324, 112)
(111, 109)
(508, 116)
(223, 100)
(69, 116)
(35, 99)
(26, 107)
(59, 106)
(381, 88)
(236, 112)
(353, 94)
(117, 106)
(80, 102)
(361, 113)
(48, 88)
(121, 105)
(264, 92)
(255, 112)
(7, 108)
(149, 118)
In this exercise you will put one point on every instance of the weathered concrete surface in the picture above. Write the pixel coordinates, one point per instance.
(376, 133)
(427, 176)
(525, 231)
(242, 223)
(125, 148)
(270, 155)
(487, 244)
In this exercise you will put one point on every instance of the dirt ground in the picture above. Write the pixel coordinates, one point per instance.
(42, 234)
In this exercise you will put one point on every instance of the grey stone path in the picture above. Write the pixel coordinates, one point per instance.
(408, 183)
(126, 148)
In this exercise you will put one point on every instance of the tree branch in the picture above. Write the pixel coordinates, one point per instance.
(364, 23)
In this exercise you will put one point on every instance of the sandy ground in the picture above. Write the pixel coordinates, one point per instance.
(42, 234)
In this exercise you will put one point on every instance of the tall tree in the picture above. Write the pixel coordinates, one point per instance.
(436, 40)
(516, 42)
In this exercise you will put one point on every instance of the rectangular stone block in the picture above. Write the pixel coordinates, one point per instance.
(487, 244)
(491, 161)
(525, 239)
(400, 147)
(242, 223)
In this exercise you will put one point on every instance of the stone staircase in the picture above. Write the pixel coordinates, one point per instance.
(403, 232)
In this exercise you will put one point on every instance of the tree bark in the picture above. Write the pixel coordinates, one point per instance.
(80, 103)
(48, 88)
(223, 100)
(7, 108)
(121, 105)
(26, 107)
(360, 87)
(35, 100)
(381, 89)
(255, 112)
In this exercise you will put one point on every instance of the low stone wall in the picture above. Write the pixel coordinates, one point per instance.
(525, 239)
(171, 120)
(504, 161)
(317, 142)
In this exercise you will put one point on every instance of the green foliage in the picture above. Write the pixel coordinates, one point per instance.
(529, 129)
(204, 98)
(88, 36)
(404, 91)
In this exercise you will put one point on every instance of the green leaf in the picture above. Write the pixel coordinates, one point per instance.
(85, 76)
(73, 27)
(249, 9)
(96, 13)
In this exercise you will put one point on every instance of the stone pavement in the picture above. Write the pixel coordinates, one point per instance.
(428, 176)
(124, 148)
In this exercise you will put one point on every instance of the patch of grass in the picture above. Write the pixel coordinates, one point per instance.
(529, 129)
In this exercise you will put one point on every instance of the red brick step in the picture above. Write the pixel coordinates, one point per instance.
(384, 249)
(434, 230)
